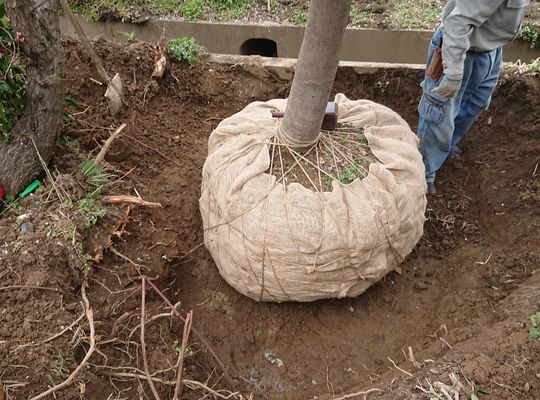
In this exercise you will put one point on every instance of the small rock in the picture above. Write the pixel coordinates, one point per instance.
(420, 285)
(4, 332)
(350, 308)
(27, 227)
(313, 382)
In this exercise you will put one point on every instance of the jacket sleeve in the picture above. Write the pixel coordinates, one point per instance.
(458, 27)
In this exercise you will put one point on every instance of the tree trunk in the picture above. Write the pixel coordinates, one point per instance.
(315, 72)
(37, 22)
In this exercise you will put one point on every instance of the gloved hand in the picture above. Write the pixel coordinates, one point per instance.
(448, 87)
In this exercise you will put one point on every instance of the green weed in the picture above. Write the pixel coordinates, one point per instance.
(414, 15)
(167, 6)
(299, 17)
(534, 332)
(230, 9)
(189, 352)
(535, 66)
(58, 370)
(185, 49)
(94, 173)
(349, 175)
(361, 18)
(524, 196)
(129, 36)
(90, 211)
(192, 10)
(531, 34)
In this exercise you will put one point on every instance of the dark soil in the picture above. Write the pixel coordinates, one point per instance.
(462, 303)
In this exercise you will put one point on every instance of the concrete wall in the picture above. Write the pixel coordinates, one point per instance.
(366, 45)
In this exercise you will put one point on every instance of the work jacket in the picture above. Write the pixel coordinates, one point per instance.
(478, 25)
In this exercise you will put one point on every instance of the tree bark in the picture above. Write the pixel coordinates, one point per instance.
(37, 21)
(315, 72)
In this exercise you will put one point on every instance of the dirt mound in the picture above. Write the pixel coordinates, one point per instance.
(462, 302)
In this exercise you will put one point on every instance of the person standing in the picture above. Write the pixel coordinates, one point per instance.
(463, 67)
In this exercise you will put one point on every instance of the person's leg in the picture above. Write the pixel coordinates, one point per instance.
(479, 91)
(436, 124)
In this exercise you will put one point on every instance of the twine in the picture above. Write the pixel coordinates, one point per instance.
(290, 141)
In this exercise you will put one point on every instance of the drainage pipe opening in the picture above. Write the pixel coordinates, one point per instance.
(260, 47)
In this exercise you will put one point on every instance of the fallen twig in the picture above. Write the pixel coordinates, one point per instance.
(101, 155)
(363, 393)
(185, 337)
(143, 343)
(49, 339)
(154, 318)
(156, 150)
(188, 382)
(197, 333)
(71, 378)
(400, 369)
(129, 260)
(48, 173)
(121, 199)
(29, 287)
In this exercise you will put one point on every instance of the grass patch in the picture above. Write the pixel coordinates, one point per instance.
(359, 18)
(299, 17)
(534, 333)
(185, 49)
(531, 34)
(192, 10)
(230, 9)
(422, 14)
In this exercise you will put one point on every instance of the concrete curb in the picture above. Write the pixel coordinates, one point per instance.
(363, 45)
(283, 68)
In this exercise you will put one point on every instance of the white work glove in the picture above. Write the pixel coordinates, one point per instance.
(448, 87)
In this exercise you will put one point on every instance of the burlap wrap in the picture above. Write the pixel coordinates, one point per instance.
(273, 243)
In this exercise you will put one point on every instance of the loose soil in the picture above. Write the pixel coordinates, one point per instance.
(462, 302)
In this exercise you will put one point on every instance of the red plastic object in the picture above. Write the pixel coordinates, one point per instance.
(2, 192)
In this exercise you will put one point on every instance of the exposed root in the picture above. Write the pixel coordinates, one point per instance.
(71, 377)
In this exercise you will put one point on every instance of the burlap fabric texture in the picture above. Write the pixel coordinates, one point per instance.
(289, 243)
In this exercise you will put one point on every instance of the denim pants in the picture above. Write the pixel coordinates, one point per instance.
(444, 122)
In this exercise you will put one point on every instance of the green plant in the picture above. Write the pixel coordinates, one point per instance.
(12, 92)
(535, 66)
(534, 333)
(129, 36)
(524, 196)
(382, 85)
(411, 15)
(362, 18)
(94, 173)
(185, 49)
(349, 175)
(167, 6)
(189, 352)
(531, 34)
(91, 212)
(192, 10)
(68, 116)
(230, 9)
(273, 6)
(299, 17)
